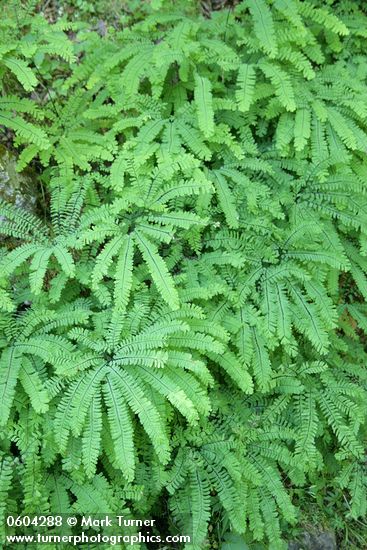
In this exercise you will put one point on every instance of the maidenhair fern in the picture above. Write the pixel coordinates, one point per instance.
(183, 318)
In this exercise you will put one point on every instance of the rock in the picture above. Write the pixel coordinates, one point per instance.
(17, 188)
(322, 540)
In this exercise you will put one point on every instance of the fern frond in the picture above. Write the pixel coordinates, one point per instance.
(121, 427)
(22, 71)
(203, 101)
(200, 506)
(26, 130)
(10, 364)
(158, 270)
(282, 84)
(148, 414)
(263, 26)
(34, 386)
(302, 129)
(225, 198)
(245, 87)
(92, 437)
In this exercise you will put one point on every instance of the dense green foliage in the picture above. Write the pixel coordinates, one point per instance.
(183, 321)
